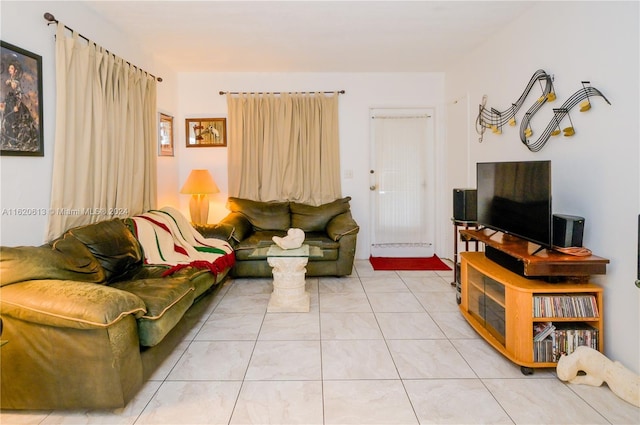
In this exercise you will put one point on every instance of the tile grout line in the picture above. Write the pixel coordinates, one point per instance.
(244, 377)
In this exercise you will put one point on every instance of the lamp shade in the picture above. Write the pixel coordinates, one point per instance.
(199, 182)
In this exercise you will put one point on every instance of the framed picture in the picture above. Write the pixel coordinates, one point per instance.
(206, 132)
(20, 102)
(165, 135)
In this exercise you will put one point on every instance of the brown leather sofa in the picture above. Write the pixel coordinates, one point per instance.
(252, 224)
(86, 321)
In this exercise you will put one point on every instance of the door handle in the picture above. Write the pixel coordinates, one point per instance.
(372, 187)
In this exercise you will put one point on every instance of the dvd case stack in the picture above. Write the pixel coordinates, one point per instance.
(552, 340)
(565, 306)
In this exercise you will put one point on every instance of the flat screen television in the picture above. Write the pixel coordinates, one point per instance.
(515, 198)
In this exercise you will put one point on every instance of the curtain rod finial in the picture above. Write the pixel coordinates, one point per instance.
(49, 17)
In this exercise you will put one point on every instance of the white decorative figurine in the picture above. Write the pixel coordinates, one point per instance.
(598, 369)
(293, 240)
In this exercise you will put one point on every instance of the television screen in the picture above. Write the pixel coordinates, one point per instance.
(515, 198)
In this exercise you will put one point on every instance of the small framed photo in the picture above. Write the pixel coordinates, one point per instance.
(165, 135)
(21, 132)
(206, 132)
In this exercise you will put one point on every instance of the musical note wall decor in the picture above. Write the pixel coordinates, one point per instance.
(495, 119)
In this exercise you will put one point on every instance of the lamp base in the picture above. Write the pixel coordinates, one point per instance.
(199, 209)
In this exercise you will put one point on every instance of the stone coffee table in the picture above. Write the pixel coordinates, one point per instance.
(289, 292)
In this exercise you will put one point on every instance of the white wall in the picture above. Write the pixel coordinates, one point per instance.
(594, 173)
(26, 181)
(199, 97)
(168, 166)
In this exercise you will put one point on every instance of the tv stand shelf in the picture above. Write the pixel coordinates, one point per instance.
(508, 310)
(537, 261)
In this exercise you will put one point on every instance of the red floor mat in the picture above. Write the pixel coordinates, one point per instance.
(405, 263)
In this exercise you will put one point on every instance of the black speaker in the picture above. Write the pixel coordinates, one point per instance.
(567, 230)
(465, 204)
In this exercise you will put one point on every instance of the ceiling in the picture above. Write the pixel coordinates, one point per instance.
(308, 36)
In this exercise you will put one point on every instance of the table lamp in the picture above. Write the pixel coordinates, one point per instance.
(199, 184)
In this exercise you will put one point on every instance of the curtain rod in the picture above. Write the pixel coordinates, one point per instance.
(277, 92)
(399, 117)
(52, 19)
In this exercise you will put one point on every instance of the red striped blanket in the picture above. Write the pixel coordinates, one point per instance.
(167, 238)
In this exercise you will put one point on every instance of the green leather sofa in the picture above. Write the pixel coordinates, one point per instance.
(252, 225)
(86, 321)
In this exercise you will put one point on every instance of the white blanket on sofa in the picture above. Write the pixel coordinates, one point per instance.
(167, 238)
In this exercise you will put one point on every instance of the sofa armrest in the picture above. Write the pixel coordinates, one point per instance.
(242, 227)
(341, 225)
(68, 304)
(223, 231)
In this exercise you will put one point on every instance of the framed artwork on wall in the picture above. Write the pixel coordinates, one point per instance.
(21, 132)
(165, 135)
(206, 132)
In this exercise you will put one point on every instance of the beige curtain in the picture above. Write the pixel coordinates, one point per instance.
(104, 163)
(284, 147)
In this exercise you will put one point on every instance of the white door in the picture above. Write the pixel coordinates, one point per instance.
(402, 182)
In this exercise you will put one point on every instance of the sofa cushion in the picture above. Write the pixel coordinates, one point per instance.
(68, 304)
(330, 249)
(263, 215)
(166, 300)
(320, 239)
(65, 258)
(314, 219)
(111, 242)
(259, 239)
(147, 271)
(220, 231)
(201, 279)
(342, 225)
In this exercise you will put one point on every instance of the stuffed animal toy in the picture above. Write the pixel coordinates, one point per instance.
(599, 369)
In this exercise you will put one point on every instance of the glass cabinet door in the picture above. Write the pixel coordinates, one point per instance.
(486, 302)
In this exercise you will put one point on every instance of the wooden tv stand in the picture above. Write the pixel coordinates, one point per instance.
(536, 261)
(507, 309)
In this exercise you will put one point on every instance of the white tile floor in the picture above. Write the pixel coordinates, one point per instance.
(376, 348)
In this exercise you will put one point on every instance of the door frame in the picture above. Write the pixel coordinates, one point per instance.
(431, 192)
